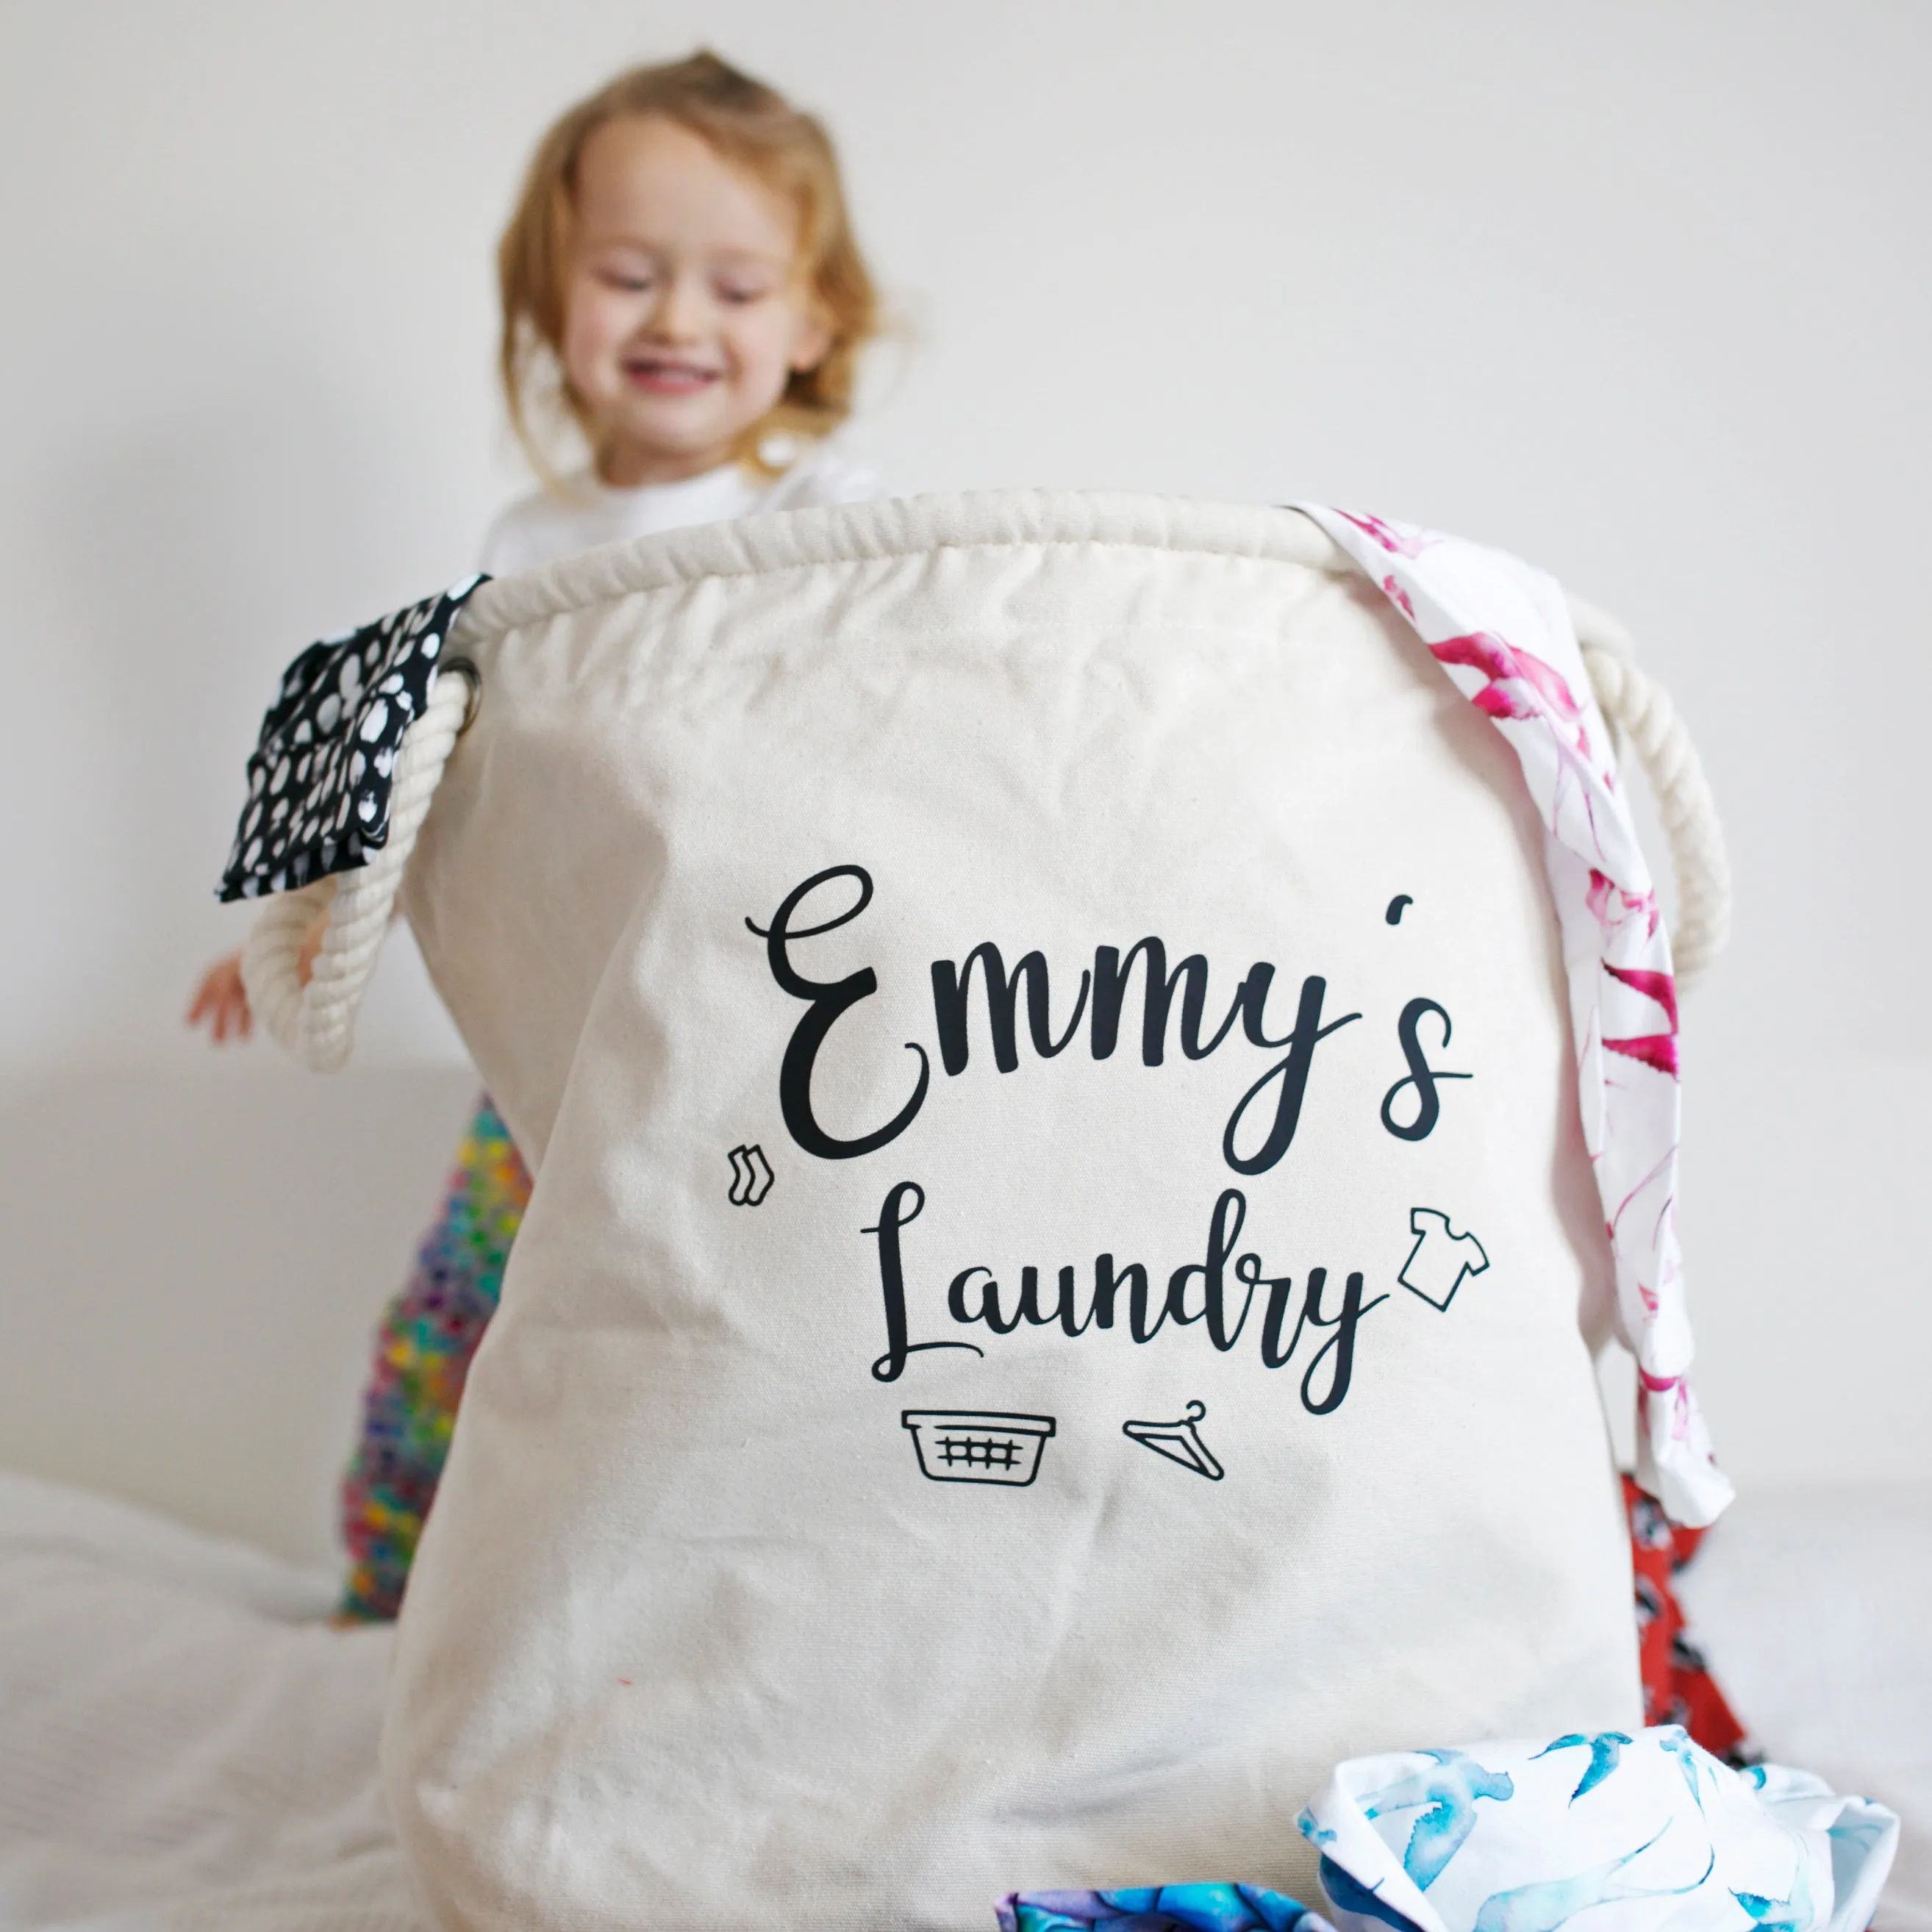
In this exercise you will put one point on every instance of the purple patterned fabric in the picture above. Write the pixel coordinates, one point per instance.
(1162, 1908)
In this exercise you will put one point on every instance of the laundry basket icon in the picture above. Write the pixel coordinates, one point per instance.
(976, 1445)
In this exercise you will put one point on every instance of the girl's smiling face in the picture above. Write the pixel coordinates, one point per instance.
(685, 312)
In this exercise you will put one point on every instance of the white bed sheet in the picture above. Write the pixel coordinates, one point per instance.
(184, 1744)
(186, 1747)
(1815, 1608)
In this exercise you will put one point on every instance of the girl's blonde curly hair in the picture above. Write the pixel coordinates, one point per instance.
(747, 123)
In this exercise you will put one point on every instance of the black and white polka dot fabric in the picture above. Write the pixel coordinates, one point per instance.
(319, 780)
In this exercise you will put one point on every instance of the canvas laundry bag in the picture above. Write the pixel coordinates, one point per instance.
(1059, 1294)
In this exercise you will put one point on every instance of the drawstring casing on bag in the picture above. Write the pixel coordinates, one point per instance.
(316, 1022)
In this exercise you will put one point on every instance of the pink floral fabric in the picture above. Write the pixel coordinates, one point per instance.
(1502, 631)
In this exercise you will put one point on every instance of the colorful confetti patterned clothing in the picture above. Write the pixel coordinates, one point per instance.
(428, 1335)
(433, 1326)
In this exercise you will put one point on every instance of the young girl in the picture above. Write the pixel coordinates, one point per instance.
(680, 282)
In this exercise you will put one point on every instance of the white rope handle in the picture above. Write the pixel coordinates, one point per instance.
(316, 1022)
(1640, 711)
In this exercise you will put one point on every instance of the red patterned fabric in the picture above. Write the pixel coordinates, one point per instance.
(1678, 1686)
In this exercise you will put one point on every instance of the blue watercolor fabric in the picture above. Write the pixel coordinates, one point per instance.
(1526, 1837)
(1162, 1908)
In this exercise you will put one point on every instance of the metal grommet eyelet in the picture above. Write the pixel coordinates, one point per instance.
(472, 679)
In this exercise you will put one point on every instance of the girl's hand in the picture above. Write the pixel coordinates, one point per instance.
(310, 945)
(223, 1001)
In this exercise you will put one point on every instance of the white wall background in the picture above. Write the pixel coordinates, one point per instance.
(1642, 293)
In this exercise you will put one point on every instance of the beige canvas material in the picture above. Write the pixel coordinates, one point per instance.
(747, 1602)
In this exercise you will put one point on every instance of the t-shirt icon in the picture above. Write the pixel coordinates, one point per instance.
(1440, 1259)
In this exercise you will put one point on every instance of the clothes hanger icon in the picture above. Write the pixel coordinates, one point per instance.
(1178, 1441)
